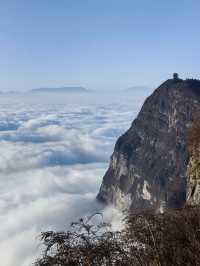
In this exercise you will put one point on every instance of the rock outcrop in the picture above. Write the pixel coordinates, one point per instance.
(193, 182)
(149, 164)
(193, 171)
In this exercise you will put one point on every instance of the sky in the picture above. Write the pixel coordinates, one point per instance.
(107, 44)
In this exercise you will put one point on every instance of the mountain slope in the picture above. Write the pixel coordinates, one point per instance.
(148, 166)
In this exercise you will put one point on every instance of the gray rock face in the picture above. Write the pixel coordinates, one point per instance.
(149, 163)
(193, 181)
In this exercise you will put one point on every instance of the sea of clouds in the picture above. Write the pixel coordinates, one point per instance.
(54, 151)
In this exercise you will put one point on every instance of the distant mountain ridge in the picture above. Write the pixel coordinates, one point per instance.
(67, 89)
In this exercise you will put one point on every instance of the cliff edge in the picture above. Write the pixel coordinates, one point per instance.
(149, 163)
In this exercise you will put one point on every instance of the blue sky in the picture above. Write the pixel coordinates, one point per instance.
(99, 44)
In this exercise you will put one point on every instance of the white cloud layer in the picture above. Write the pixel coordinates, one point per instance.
(52, 159)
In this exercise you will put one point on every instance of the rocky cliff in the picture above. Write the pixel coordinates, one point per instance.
(149, 163)
(193, 182)
(193, 171)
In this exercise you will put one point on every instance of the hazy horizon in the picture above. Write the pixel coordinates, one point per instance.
(95, 90)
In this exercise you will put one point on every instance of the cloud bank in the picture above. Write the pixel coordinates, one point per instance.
(52, 159)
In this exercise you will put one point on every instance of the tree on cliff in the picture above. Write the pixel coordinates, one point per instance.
(148, 239)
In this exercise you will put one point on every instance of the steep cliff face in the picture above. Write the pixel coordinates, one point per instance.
(193, 182)
(193, 171)
(149, 163)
